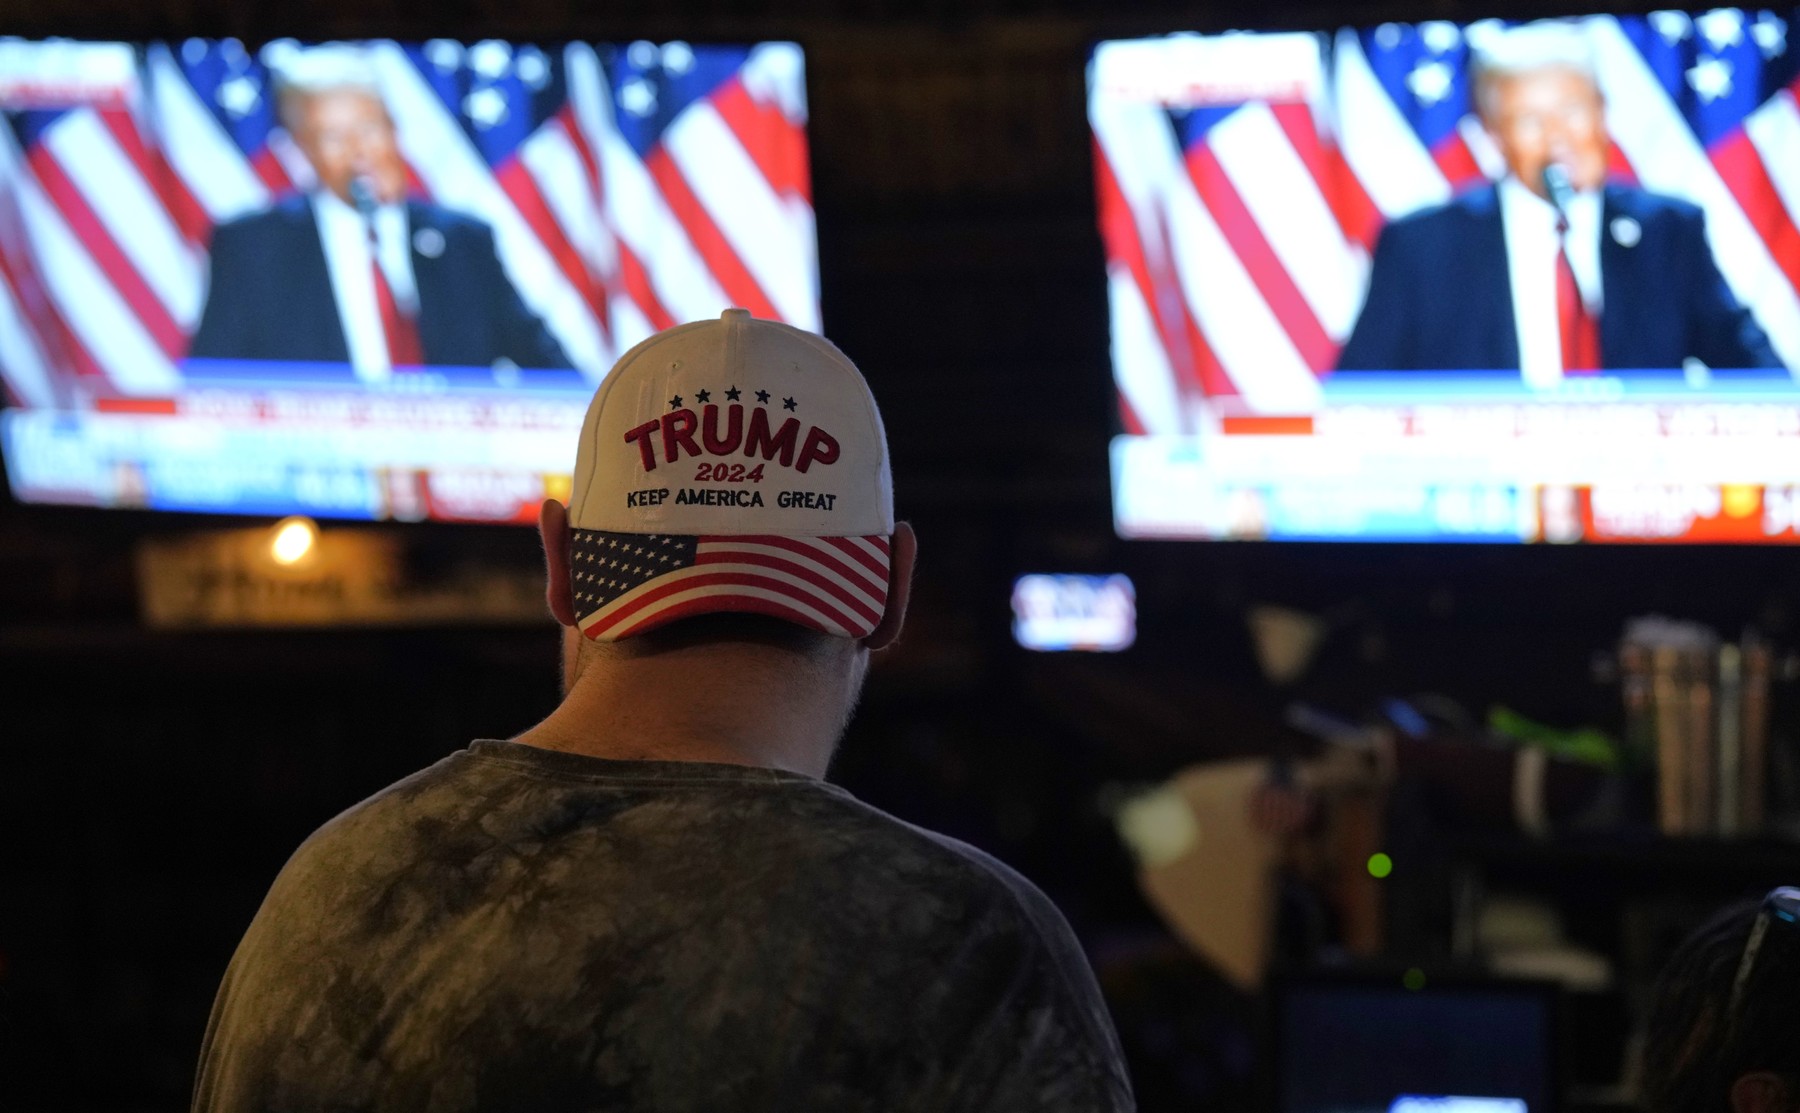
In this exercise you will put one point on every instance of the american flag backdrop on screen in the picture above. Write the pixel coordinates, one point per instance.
(1238, 232)
(629, 188)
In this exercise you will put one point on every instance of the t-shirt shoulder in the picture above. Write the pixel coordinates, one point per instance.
(955, 858)
(394, 795)
(790, 814)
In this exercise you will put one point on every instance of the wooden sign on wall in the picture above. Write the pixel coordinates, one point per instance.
(346, 578)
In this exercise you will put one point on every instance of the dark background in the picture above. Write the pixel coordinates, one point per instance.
(151, 783)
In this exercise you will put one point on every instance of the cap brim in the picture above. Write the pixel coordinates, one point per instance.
(628, 583)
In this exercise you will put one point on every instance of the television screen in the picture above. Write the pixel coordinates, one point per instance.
(1057, 612)
(370, 279)
(1447, 282)
(1359, 1045)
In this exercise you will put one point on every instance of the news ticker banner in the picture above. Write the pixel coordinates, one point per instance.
(447, 444)
(1701, 456)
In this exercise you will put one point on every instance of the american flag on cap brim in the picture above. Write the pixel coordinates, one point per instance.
(627, 583)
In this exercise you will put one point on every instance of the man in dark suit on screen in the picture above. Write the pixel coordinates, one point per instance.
(354, 272)
(1551, 270)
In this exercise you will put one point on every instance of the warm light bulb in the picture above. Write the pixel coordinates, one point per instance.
(294, 538)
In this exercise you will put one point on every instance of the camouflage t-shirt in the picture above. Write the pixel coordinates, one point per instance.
(514, 928)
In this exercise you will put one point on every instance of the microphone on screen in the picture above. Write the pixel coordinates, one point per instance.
(1558, 188)
(362, 195)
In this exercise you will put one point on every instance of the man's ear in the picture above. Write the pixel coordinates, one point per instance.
(559, 591)
(1760, 1092)
(903, 551)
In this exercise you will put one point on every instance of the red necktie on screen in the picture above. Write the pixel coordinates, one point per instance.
(402, 333)
(1577, 328)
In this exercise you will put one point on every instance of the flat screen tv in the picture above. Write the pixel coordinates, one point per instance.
(1456, 282)
(1059, 612)
(370, 279)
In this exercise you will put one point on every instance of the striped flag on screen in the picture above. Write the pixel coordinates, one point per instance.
(1238, 233)
(629, 188)
(625, 583)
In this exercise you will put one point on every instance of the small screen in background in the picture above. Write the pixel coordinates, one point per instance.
(1413, 1103)
(1068, 612)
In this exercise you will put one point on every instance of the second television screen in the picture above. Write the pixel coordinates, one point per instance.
(1437, 281)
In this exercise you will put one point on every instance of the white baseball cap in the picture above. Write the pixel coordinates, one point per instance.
(731, 465)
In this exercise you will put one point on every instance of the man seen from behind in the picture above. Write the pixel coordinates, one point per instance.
(651, 900)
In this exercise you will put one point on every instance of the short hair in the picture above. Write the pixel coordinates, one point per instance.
(310, 71)
(1694, 1050)
(1497, 53)
(726, 626)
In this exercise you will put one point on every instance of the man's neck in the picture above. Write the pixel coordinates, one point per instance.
(737, 705)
